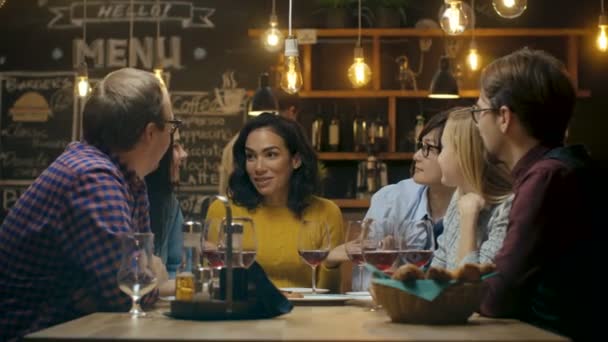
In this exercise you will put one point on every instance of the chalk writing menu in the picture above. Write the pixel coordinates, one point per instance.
(210, 121)
(36, 121)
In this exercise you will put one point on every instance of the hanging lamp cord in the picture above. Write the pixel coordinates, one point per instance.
(359, 31)
(290, 18)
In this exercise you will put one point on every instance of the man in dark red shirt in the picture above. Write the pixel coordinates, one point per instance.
(523, 111)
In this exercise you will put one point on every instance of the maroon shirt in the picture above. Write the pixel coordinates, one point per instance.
(548, 217)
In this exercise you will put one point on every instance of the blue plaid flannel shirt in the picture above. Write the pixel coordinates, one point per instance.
(60, 243)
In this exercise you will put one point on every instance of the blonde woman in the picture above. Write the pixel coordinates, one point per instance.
(476, 220)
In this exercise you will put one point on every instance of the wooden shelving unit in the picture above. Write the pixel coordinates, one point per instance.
(571, 37)
(351, 203)
(363, 156)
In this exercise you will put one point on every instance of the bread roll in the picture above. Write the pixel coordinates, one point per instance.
(408, 272)
(439, 274)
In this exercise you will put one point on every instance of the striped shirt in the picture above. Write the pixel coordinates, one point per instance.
(491, 230)
(60, 243)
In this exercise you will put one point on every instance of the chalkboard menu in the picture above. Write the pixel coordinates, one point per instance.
(36, 121)
(9, 194)
(211, 119)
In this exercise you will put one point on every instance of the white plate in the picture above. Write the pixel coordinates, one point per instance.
(303, 290)
(358, 293)
(167, 299)
(322, 299)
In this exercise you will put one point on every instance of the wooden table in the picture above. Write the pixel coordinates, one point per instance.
(304, 323)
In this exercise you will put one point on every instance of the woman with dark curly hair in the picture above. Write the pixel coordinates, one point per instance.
(274, 182)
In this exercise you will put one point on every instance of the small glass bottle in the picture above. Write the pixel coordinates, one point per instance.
(316, 134)
(334, 131)
(359, 134)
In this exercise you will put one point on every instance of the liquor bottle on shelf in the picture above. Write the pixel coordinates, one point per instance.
(359, 134)
(378, 136)
(419, 127)
(316, 135)
(334, 131)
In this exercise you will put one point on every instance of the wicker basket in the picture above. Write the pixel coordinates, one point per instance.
(453, 306)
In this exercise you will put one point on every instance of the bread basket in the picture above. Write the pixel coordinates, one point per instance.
(454, 305)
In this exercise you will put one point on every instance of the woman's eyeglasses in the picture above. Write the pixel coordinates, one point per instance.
(426, 148)
(175, 124)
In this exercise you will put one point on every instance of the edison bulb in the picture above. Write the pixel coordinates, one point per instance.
(509, 8)
(158, 72)
(83, 86)
(453, 18)
(272, 39)
(602, 40)
(359, 73)
(473, 58)
(291, 79)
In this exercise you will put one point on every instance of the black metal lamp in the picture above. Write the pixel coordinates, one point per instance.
(444, 85)
(263, 100)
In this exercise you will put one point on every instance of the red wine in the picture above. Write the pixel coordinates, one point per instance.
(215, 257)
(248, 258)
(314, 257)
(381, 259)
(416, 256)
(356, 258)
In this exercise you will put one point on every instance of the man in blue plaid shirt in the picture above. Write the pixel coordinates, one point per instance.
(60, 243)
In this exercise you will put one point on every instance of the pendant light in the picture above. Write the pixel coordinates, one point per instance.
(263, 100)
(453, 17)
(509, 8)
(444, 85)
(291, 79)
(602, 40)
(82, 73)
(473, 59)
(273, 38)
(359, 72)
(158, 61)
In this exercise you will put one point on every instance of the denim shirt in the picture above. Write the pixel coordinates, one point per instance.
(169, 246)
(393, 205)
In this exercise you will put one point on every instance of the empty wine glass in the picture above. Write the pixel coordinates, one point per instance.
(353, 245)
(243, 241)
(416, 242)
(313, 245)
(136, 276)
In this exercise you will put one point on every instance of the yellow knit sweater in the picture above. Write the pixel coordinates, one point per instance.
(277, 237)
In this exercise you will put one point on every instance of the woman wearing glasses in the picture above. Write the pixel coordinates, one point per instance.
(476, 219)
(165, 214)
(422, 198)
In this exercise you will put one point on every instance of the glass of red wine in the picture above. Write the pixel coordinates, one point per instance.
(243, 241)
(353, 245)
(211, 243)
(313, 245)
(381, 245)
(416, 242)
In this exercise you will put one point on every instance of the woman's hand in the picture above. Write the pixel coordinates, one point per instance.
(470, 204)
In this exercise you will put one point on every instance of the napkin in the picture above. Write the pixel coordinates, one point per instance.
(428, 289)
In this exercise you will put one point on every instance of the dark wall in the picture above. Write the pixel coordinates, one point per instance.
(27, 43)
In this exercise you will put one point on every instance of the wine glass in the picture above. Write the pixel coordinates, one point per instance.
(417, 242)
(353, 243)
(136, 276)
(381, 245)
(211, 242)
(244, 242)
(313, 245)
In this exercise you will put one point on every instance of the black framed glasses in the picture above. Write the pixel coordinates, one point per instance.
(426, 148)
(476, 112)
(175, 124)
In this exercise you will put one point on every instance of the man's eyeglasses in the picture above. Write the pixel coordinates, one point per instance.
(476, 112)
(175, 124)
(426, 148)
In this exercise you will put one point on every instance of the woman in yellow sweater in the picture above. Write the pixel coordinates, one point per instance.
(274, 180)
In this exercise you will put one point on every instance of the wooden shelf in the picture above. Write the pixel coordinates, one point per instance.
(326, 94)
(351, 203)
(363, 156)
(413, 32)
